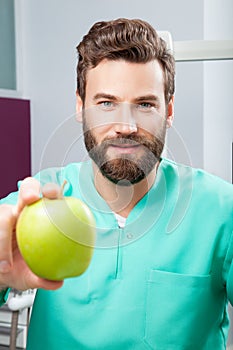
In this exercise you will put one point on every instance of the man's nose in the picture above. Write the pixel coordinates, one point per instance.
(125, 121)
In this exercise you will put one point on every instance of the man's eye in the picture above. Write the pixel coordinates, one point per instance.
(106, 104)
(146, 105)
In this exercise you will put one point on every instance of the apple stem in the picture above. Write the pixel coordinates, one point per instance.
(62, 189)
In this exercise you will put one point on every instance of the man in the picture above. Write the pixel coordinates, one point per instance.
(162, 273)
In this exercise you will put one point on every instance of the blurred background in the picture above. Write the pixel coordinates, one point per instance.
(38, 63)
(38, 59)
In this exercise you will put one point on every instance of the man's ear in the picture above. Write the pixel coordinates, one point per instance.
(170, 112)
(79, 108)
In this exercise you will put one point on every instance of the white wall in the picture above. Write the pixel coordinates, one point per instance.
(218, 87)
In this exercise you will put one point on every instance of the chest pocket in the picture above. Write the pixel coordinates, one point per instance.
(180, 311)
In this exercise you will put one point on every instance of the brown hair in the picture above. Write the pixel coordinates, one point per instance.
(133, 40)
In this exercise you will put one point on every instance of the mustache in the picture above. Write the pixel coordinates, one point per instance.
(133, 140)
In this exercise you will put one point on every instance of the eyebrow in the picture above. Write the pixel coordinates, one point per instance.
(103, 95)
(147, 98)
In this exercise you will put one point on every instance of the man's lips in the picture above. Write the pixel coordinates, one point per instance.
(124, 148)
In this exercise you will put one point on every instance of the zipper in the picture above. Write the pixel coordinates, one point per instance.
(118, 272)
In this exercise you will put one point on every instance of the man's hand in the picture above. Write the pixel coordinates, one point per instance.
(13, 270)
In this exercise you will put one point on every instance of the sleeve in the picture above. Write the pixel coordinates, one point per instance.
(4, 295)
(10, 199)
(230, 284)
(228, 267)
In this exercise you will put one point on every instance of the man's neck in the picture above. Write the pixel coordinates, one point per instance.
(122, 199)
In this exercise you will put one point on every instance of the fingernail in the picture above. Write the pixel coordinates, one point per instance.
(4, 266)
(31, 193)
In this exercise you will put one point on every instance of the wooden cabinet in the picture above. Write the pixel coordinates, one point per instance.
(15, 153)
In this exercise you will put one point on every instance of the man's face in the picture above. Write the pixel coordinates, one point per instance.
(124, 119)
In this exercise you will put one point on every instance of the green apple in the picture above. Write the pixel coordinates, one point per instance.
(56, 237)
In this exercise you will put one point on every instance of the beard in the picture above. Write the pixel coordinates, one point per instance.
(125, 169)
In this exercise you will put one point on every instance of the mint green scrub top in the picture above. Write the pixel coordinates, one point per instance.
(162, 282)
